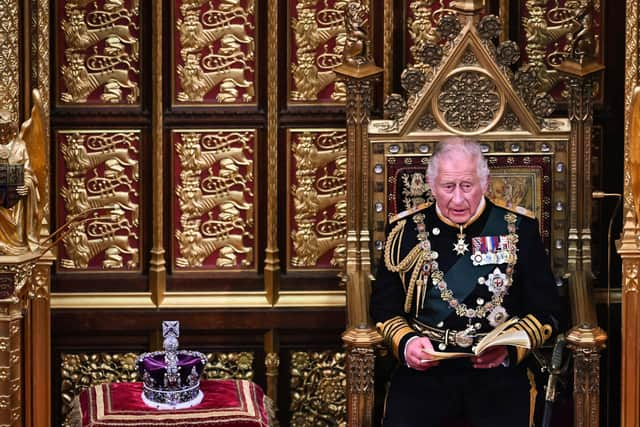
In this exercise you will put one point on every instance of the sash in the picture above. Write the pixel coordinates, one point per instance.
(463, 275)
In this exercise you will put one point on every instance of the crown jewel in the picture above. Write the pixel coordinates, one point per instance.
(171, 378)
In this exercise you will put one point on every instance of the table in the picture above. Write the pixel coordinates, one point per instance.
(232, 403)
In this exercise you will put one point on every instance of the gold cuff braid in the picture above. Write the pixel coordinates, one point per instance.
(393, 330)
(537, 332)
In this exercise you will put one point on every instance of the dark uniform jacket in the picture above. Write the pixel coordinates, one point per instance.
(503, 272)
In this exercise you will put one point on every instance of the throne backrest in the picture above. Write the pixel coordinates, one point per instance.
(464, 86)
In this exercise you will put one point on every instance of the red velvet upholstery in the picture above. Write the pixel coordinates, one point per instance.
(232, 403)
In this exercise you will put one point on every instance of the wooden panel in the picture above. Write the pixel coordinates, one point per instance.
(214, 52)
(97, 53)
(214, 209)
(99, 179)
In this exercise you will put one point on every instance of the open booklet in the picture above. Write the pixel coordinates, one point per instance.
(498, 336)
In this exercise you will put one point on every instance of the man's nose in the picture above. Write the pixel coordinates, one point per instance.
(458, 195)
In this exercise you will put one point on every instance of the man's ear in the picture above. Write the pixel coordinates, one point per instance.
(486, 184)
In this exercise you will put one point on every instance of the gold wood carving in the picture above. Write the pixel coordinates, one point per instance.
(9, 65)
(229, 365)
(101, 172)
(23, 155)
(319, 40)
(14, 295)
(387, 41)
(82, 370)
(101, 51)
(225, 33)
(586, 343)
(420, 26)
(568, 27)
(211, 202)
(469, 101)
(318, 385)
(319, 197)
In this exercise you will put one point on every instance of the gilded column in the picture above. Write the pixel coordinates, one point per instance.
(14, 289)
(37, 344)
(272, 260)
(628, 247)
(582, 68)
(387, 41)
(361, 339)
(586, 343)
(37, 324)
(272, 365)
(157, 270)
(586, 340)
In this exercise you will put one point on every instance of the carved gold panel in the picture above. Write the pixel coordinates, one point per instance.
(316, 36)
(553, 30)
(100, 171)
(98, 52)
(316, 204)
(528, 174)
(9, 35)
(214, 52)
(214, 202)
(318, 389)
(82, 370)
(421, 24)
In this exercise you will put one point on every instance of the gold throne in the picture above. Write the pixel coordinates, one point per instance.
(465, 83)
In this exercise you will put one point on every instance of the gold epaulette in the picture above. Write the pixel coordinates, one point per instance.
(408, 212)
(393, 330)
(537, 332)
(515, 209)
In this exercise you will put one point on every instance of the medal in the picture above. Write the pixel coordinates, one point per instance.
(460, 247)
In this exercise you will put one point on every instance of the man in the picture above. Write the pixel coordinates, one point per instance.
(451, 272)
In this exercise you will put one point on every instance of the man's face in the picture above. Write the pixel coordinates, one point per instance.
(457, 187)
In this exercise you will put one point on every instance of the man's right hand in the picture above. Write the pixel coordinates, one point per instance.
(416, 356)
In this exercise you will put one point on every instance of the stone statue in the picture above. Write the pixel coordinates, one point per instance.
(23, 174)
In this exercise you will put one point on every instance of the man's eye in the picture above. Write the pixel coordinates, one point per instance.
(466, 186)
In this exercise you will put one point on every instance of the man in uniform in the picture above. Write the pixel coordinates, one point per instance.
(451, 272)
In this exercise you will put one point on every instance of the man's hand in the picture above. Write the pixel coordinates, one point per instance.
(22, 190)
(490, 358)
(416, 356)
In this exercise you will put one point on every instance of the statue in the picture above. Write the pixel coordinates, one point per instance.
(23, 174)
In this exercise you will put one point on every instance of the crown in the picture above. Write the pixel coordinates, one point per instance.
(171, 378)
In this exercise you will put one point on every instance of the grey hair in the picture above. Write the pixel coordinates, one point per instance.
(469, 147)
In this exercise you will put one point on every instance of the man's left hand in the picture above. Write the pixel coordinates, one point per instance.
(490, 358)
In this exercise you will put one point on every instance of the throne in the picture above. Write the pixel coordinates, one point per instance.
(465, 83)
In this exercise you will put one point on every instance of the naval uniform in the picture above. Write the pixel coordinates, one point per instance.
(454, 284)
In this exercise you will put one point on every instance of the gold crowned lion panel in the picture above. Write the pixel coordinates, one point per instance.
(215, 199)
(99, 178)
(316, 42)
(316, 202)
(98, 52)
(214, 52)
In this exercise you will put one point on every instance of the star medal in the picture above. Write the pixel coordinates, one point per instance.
(460, 247)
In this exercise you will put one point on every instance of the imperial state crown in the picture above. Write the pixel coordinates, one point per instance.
(171, 378)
